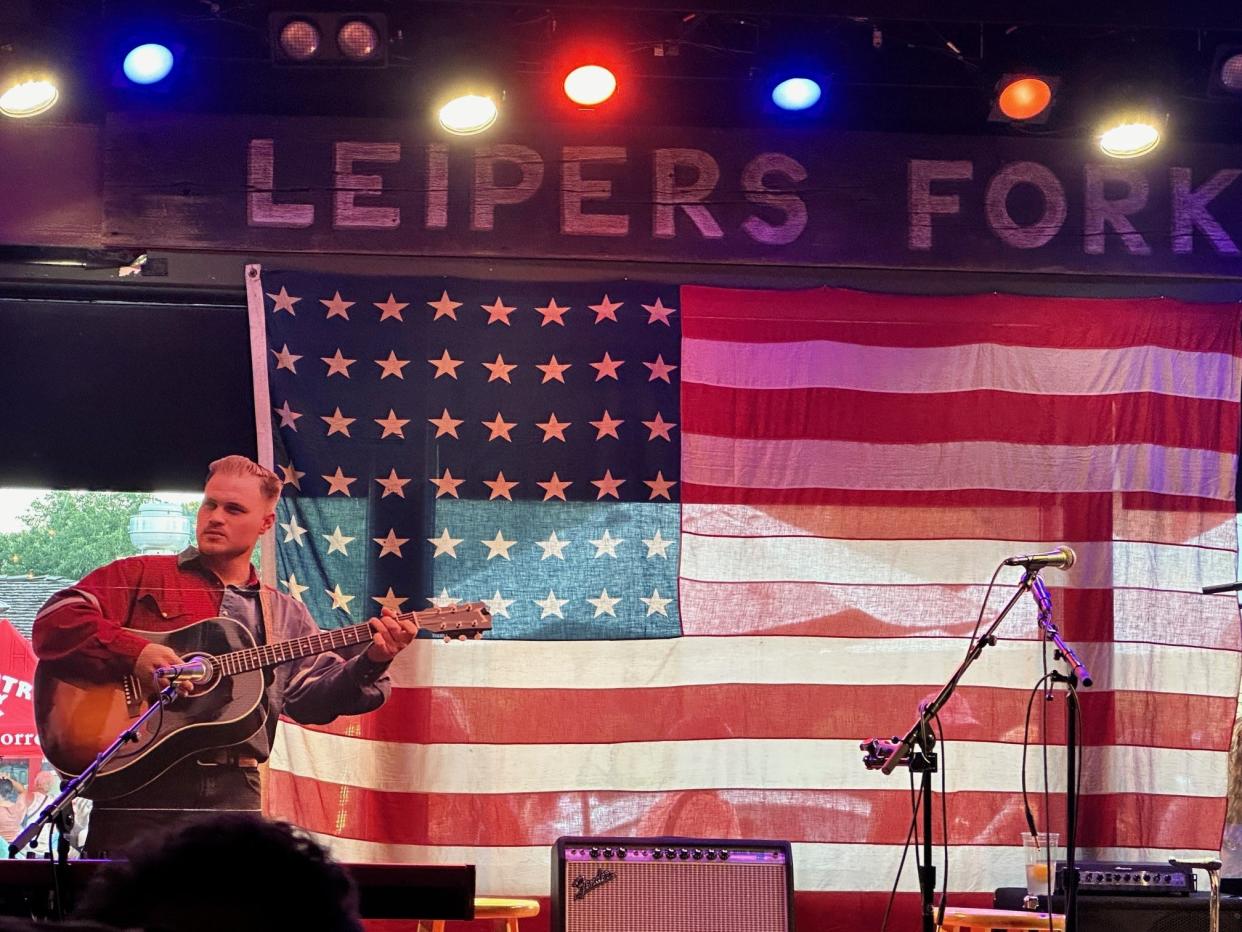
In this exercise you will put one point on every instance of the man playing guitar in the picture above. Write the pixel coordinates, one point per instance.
(93, 632)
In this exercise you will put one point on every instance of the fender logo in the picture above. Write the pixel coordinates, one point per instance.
(583, 886)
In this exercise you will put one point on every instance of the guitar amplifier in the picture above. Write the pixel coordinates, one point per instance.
(1129, 878)
(671, 885)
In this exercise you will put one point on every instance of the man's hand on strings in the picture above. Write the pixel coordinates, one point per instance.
(391, 635)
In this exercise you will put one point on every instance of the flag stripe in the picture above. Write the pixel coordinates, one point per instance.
(981, 464)
(707, 661)
(862, 416)
(707, 764)
(817, 816)
(749, 710)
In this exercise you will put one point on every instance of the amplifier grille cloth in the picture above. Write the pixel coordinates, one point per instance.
(678, 897)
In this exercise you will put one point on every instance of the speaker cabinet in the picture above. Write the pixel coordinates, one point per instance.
(1139, 913)
(671, 885)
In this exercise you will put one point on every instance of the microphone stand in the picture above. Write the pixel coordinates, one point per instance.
(59, 812)
(1078, 675)
(916, 749)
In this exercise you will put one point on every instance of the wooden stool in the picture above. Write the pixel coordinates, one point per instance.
(966, 918)
(501, 909)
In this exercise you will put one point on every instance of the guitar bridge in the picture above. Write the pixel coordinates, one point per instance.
(133, 698)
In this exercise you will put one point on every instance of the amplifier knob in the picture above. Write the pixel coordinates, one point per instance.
(608, 852)
(621, 852)
(671, 854)
(711, 855)
(698, 855)
(724, 855)
(595, 852)
(1146, 877)
(657, 854)
(684, 854)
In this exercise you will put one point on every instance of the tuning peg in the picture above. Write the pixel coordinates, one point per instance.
(478, 635)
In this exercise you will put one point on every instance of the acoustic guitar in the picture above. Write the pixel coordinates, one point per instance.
(77, 719)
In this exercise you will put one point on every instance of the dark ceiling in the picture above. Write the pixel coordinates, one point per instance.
(893, 66)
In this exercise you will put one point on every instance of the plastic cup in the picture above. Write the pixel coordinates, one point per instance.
(1041, 853)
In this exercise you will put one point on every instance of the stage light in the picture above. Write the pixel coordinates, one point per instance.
(469, 114)
(1231, 73)
(149, 63)
(315, 37)
(28, 97)
(1025, 98)
(1129, 138)
(797, 93)
(590, 85)
(358, 40)
(300, 39)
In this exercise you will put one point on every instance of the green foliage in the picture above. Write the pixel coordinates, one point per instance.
(70, 533)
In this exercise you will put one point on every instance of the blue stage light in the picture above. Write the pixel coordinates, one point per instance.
(148, 64)
(796, 94)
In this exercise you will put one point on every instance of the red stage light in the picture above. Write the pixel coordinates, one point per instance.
(1025, 98)
(590, 85)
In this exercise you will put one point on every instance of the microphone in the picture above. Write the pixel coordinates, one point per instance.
(195, 670)
(1062, 558)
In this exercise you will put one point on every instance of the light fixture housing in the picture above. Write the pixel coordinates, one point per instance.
(1132, 132)
(797, 93)
(590, 85)
(315, 38)
(29, 86)
(1024, 97)
(468, 114)
(148, 63)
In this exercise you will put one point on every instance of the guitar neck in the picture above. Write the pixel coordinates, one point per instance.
(271, 655)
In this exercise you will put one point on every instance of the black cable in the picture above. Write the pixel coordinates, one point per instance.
(944, 820)
(1026, 742)
(1043, 728)
(911, 832)
(982, 608)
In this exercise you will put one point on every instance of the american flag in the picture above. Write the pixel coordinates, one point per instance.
(847, 469)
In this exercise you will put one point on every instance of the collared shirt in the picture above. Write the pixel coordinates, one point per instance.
(93, 630)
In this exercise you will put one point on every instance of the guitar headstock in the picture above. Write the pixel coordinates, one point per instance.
(463, 620)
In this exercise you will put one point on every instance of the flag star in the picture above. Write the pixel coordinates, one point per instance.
(338, 364)
(337, 423)
(498, 312)
(293, 531)
(552, 547)
(607, 367)
(554, 488)
(498, 605)
(607, 485)
(659, 312)
(607, 545)
(659, 427)
(295, 588)
(392, 424)
(552, 428)
(607, 426)
(500, 369)
(445, 424)
(553, 370)
(339, 599)
(284, 302)
(655, 604)
(392, 543)
(287, 417)
(659, 369)
(391, 600)
(605, 604)
(447, 365)
(445, 307)
(606, 309)
(392, 366)
(500, 486)
(446, 484)
(660, 486)
(337, 307)
(391, 308)
(340, 483)
(291, 476)
(498, 546)
(444, 544)
(443, 600)
(394, 484)
(552, 313)
(337, 542)
(499, 427)
(551, 605)
(286, 359)
(656, 545)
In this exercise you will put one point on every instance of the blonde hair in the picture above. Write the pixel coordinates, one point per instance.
(238, 465)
